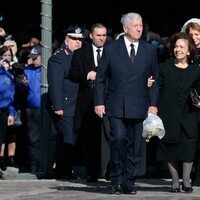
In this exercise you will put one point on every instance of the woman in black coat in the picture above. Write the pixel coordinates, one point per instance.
(192, 27)
(177, 76)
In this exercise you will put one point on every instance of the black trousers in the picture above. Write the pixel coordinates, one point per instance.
(125, 141)
(3, 125)
(88, 146)
(33, 133)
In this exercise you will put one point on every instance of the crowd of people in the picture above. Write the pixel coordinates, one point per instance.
(98, 84)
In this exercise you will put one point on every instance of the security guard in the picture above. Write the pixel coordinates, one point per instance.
(63, 94)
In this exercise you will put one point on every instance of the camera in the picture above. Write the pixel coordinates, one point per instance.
(18, 71)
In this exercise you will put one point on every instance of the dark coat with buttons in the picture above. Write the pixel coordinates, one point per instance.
(62, 92)
(82, 64)
(175, 107)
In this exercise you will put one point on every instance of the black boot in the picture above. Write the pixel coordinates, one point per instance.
(11, 161)
(34, 167)
(196, 177)
(3, 166)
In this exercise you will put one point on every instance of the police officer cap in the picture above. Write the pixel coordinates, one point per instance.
(74, 31)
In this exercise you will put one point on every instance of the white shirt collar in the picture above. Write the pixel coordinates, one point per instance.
(95, 48)
(127, 43)
(95, 53)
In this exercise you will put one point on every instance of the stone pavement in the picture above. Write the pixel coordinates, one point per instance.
(29, 187)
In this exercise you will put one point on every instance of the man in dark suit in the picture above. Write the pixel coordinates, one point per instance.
(87, 123)
(63, 95)
(127, 100)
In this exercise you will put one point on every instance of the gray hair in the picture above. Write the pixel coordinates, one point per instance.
(126, 18)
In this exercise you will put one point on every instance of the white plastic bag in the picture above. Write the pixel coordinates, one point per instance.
(153, 126)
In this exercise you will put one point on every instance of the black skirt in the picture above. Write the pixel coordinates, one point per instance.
(184, 150)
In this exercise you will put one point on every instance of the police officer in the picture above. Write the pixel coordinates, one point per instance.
(63, 94)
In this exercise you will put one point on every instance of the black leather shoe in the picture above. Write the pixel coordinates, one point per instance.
(34, 169)
(187, 189)
(116, 189)
(71, 177)
(3, 166)
(92, 180)
(130, 190)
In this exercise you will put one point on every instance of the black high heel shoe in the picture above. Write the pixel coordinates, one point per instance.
(175, 190)
(187, 189)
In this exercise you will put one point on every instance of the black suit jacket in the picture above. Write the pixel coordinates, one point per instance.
(127, 95)
(82, 63)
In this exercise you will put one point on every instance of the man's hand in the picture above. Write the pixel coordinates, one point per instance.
(24, 80)
(59, 112)
(150, 81)
(100, 110)
(91, 75)
(153, 110)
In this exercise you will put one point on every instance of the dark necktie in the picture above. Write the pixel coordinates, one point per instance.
(98, 55)
(132, 53)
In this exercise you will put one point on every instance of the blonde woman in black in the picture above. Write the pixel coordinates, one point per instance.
(192, 27)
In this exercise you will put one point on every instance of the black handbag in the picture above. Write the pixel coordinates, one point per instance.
(194, 96)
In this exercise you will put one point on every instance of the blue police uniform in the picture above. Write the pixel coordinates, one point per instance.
(63, 94)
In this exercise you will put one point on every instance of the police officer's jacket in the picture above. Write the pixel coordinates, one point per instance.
(62, 92)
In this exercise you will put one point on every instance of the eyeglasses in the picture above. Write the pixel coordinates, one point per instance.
(75, 38)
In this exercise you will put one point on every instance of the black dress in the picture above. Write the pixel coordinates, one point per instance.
(197, 61)
(177, 112)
